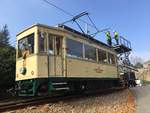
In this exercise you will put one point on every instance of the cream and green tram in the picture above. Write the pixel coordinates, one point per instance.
(51, 59)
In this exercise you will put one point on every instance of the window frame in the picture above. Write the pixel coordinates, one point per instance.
(73, 55)
(106, 55)
(112, 56)
(90, 59)
(26, 37)
(44, 42)
(53, 44)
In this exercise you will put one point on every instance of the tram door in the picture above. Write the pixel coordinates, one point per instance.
(55, 58)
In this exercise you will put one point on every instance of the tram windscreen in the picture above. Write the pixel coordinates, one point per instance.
(26, 44)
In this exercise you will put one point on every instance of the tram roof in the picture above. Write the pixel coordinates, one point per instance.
(64, 27)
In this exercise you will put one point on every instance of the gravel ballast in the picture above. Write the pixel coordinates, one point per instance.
(116, 102)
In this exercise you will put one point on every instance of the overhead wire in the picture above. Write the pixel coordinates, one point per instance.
(93, 23)
(66, 12)
(46, 1)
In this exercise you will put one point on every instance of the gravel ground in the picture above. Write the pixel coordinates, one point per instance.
(116, 102)
(142, 95)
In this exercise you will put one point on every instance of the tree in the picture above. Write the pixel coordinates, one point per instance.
(7, 60)
(135, 60)
(138, 65)
(4, 36)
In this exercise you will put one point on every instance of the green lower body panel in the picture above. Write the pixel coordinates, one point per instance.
(47, 86)
(32, 87)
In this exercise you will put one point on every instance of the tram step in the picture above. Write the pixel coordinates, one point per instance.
(59, 83)
(62, 88)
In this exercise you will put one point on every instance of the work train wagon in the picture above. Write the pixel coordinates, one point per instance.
(51, 59)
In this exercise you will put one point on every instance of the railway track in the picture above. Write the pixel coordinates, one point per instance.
(47, 99)
(32, 102)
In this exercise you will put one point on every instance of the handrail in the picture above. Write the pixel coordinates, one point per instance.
(122, 41)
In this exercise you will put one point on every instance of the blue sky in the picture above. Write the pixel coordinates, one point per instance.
(131, 18)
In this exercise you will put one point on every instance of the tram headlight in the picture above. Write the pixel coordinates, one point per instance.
(23, 70)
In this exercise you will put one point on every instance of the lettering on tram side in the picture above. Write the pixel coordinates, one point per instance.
(98, 70)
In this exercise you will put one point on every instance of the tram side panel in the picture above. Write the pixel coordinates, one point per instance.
(90, 69)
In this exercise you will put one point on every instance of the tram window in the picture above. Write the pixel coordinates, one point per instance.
(74, 48)
(58, 45)
(42, 42)
(111, 58)
(90, 52)
(102, 58)
(51, 44)
(26, 44)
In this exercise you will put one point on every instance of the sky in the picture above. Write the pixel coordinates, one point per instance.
(130, 18)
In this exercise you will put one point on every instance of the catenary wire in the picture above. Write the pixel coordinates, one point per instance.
(66, 12)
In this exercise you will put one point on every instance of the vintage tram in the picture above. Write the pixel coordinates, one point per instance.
(52, 59)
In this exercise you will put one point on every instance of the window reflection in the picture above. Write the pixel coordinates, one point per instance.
(90, 52)
(42, 42)
(74, 48)
(51, 44)
(102, 58)
(58, 45)
(111, 58)
(26, 44)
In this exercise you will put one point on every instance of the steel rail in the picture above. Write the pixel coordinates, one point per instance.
(51, 99)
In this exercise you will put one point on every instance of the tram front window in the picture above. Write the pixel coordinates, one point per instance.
(55, 44)
(26, 44)
(58, 45)
(51, 44)
(42, 42)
